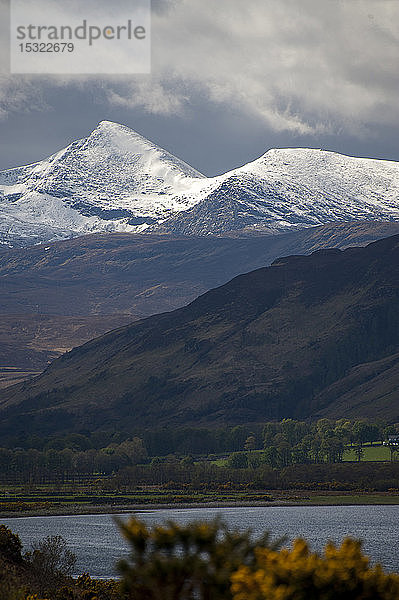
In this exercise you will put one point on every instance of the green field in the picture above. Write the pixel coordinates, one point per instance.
(370, 453)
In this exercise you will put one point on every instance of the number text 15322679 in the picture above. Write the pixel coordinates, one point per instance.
(47, 47)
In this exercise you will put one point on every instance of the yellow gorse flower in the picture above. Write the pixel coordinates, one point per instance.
(297, 574)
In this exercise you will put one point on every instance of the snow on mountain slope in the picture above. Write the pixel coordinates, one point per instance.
(291, 188)
(116, 180)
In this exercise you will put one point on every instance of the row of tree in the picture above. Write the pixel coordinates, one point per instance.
(159, 442)
(278, 445)
(298, 442)
(59, 466)
(183, 440)
(176, 473)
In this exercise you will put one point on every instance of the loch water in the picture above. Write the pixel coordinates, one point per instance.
(98, 545)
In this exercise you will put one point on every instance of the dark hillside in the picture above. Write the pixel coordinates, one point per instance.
(292, 339)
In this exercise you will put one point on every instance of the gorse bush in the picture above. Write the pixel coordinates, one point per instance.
(97, 589)
(185, 562)
(206, 561)
(341, 573)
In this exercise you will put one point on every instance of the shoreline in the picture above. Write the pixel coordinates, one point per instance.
(112, 509)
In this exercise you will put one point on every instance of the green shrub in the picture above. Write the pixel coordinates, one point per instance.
(10, 545)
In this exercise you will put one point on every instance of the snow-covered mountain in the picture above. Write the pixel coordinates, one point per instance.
(291, 188)
(116, 180)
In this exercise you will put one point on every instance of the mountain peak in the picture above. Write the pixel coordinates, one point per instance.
(115, 128)
(112, 180)
(121, 139)
(113, 125)
(120, 136)
(106, 123)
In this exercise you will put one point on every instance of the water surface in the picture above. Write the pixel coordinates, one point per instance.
(96, 541)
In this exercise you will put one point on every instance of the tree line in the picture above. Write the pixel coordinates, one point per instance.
(206, 440)
(174, 474)
(268, 448)
(59, 466)
(291, 442)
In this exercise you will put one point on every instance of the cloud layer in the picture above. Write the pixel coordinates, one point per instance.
(309, 67)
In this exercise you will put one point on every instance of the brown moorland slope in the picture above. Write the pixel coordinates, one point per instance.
(57, 296)
(269, 344)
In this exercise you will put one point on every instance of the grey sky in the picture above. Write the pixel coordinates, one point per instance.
(230, 79)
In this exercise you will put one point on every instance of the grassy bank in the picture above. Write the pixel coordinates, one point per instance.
(61, 504)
